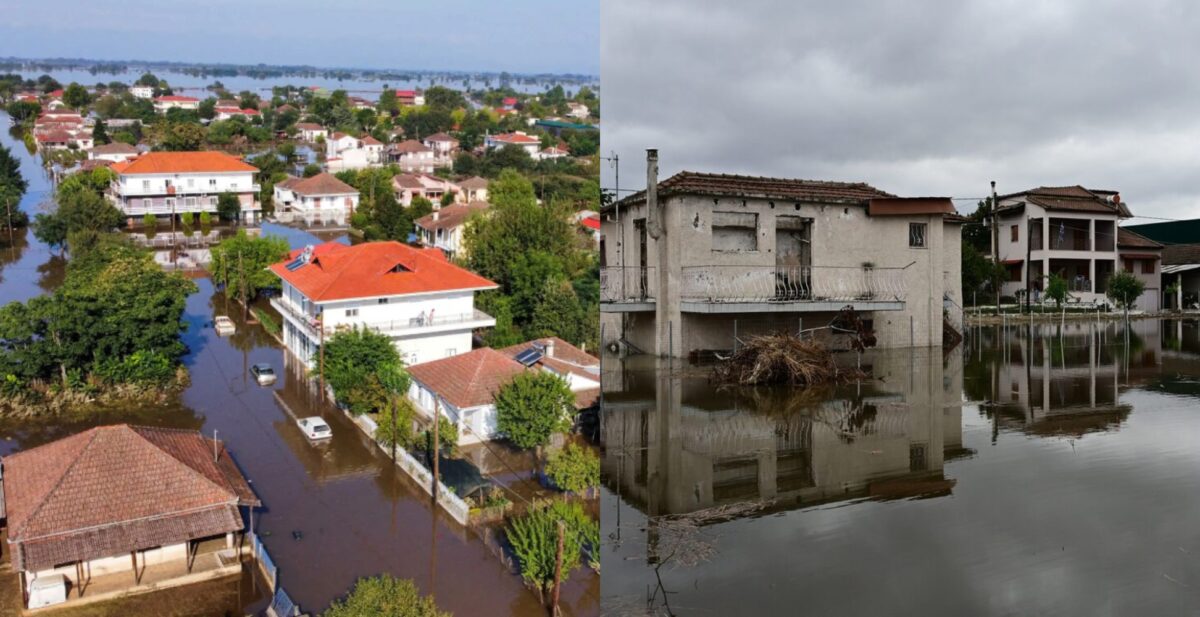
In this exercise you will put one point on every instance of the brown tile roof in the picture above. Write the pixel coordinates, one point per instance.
(440, 137)
(323, 183)
(1130, 239)
(727, 185)
(587, 398)
(409, 146)
(114, 489)
(474, 182)
(310, 126)
(470, 379)
(906, 206)
(1180, 254)
(567, 358)
(1072, 199)
(451, 216)
(115, 147)
(407, 181)
(371, 141)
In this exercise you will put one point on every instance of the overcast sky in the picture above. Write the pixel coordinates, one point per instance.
(526, 36)
(913, 97)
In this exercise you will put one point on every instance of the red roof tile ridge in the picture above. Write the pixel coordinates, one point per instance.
(138, 430)
(45, 497)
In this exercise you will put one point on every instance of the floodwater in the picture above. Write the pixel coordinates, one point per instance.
(1035, 470)
(333, 512)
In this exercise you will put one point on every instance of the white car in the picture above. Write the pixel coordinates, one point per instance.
(263, 374)
(224, 325)
(315, 428)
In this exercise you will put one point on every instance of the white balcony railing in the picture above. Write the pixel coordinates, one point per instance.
(475, 319)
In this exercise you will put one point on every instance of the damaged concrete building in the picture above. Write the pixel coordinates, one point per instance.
(701, 260)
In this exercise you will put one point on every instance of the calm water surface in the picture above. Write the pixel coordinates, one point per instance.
(1032, 471)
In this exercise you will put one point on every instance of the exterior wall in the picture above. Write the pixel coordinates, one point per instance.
(319, 208)
(120, 563)
(1009, 250)
(1151, 299)
(475, 424)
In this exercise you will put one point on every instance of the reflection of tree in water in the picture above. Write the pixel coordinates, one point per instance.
(33, 432)
(675, 541)
(52, 273)
(10, 253)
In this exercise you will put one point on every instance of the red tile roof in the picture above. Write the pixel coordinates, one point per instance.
(177, 99)
(470, 379)
(321, 184)
(590, 222)
(566, 357)
(371, 141)
(309, 126)
(907, 206)
(515, 138)
(1130, 239)
(409, 146)
(373, 269)
(114, 489)
(440, 137)
(451, 216)
(183, 162)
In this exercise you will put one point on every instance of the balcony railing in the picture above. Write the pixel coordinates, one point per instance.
(627, 284)
(791, 284)
(477, 317)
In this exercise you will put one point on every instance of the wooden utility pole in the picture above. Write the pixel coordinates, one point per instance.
(996, 238)
(557, 570)
(242, 286)
(437, 415)
(321, 349)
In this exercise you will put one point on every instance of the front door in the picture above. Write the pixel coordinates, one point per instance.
(793, 258)
(643, 257)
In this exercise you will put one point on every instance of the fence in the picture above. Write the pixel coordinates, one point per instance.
(265, 563)
(626, 284)
(282, 605)
(791, 284)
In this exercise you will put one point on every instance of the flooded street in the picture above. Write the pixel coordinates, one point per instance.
(1033, 470)
(332, 512)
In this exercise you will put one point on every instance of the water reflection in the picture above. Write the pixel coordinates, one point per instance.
(1035, 470)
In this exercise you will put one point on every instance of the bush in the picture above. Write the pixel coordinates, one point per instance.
(205, 218)
(534, 406)
(187, 218)
(447, 436)
(1124, 289)
(575, 468)
(140, 367)
(150, 221)
(351, 361)
(229, 207)
(534, 538)
(384, 595)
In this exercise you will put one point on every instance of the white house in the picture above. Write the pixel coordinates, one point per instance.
(577, 110)
(553, 152)
(463, 388)
(410, 185)
(310, 131)
(344, 151)
(442, 144)
(521, 139)
(225, 113)
(425, 304)
(412, 155)
(142, 92)
(170, 183)
(163, 103)
(474, 189)
(443, 228)
(339, 142)
(321, 199)
(116, 152)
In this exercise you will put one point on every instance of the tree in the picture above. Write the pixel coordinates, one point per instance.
(979, 273)
(1056, 289)
(181, 136)
(75, 96)
(81, 207)
(534, 406)
(242, 262)
(22, 111)
(311, 170)
(351, 359)
(229, 207)
(208, 108)
(12, 189)
(384, 596)
(534, 538)
(396, 428)
(99, 132)
(1124, 289)
(574, 468)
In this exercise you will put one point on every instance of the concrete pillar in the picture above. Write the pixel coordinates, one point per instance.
(229, 540)
(664, 232)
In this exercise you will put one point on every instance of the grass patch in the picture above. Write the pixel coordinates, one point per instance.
(268, 323)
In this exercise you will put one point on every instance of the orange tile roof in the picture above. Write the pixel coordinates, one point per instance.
(374, 269)
(183, 162)
(470, 379)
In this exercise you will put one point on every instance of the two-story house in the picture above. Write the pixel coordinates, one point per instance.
(419, 184)
(116, 152)
(443, 228)
(423, 302)
(321, 199)
(171, 183)
(474, 188)
(413, 156)
(701, 260)
(1071, 232)
(527, 142)
(442, 145)
(310, 131)
(164, 103)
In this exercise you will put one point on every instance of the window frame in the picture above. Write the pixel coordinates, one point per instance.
(922, 236)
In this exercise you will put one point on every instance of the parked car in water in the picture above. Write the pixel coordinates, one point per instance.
(263, 374)
(315, 428)
(224, 325)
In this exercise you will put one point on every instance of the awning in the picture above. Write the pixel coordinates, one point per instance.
(1177, 268)
(1140, 256)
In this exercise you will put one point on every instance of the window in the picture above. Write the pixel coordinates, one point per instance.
(352, 312)
(145, 185)
(916, 235)
(147, 203)
(1014, 233)
(383, 300)
(191, 182)
(1014, 273)
(1127, 265)
(212, 183)
(170, 202)
(450, 351)
(190, 202)
(1148, 266)
(734, 231)
(212, 201)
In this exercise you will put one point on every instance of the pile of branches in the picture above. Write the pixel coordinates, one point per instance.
(783, 358)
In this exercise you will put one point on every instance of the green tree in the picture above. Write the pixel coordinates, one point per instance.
(80, 206)
(181, 136)
(99, 132)
(23, 111)
(12, 189)
(208, 108)
(979, 273)
(534, 538)
(229, 207)
(534, 406)
(243, 262)
(384, 596)
(311, 170)
(1056, 289)
(574, 468)
(351, 359)
(1124, 289)
(396, 428)
(75, 96)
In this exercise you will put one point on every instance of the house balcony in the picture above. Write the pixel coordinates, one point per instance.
(397, 328)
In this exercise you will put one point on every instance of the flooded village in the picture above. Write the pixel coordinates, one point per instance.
(321, 512)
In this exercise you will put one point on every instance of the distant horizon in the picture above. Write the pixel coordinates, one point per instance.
(134, 62)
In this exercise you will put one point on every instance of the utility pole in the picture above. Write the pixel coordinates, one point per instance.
(321, 328)
(558, 554)
(996, 239)
(437, 416)
(242, 286)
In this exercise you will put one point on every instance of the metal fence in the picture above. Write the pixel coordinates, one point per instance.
(451, 503)
(791, 284)
(627, 284)
(282, 605)
(265, 563)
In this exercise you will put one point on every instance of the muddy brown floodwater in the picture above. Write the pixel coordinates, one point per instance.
(332, 513)
(1032, 471)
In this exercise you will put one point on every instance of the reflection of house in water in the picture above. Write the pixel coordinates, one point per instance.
(181, 250)
(678, 445)
(1052, 379)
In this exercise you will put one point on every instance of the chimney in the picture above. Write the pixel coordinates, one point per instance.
(550, 348)
(436, 214)
(653, 224)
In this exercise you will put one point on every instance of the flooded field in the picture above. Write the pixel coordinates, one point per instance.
(332, 513)
(1035, 470)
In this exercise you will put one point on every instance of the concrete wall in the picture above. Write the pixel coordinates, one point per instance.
(120, 563)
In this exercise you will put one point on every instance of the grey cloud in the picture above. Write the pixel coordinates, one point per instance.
(913, 97)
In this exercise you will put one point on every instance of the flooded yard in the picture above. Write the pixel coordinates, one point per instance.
(1034, 470)
(332, 512)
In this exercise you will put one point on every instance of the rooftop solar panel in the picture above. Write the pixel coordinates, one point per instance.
(529, 357)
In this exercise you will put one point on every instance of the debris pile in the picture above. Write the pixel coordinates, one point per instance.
(783, 358)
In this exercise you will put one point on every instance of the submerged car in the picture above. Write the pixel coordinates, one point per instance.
(263, 374)
(315, 428)
(224, 325)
